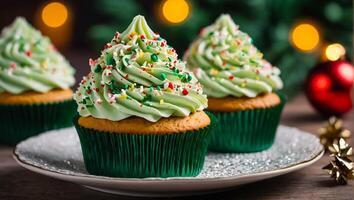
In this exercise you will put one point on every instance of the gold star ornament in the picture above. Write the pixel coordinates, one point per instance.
(333, 130)
(342, 167)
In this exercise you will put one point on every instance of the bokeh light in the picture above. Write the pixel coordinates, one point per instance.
(334, 51)
(54, 14)
(305, 37)
(175, 11)
(346, 72)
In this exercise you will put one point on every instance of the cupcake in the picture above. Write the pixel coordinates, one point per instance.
(240, 86)
(35, 82)
(140, 112)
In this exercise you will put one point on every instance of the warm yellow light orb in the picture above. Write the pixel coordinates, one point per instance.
(305, 37)
(334, 51)
(54, 14)
(175, 11)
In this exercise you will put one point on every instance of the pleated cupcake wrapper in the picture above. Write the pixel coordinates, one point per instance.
(142, 155)
(18, 122)
(246, 131)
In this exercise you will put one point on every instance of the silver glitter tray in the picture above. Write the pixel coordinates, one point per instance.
(58, 154)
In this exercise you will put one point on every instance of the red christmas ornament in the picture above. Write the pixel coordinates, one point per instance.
(328, 87)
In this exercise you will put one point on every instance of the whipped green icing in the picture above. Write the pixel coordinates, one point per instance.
(29, 62)
(227, 64)
(138, 74)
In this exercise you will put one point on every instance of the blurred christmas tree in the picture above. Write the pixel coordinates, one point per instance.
(268, 22)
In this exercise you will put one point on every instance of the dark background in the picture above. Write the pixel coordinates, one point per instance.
(268, 22)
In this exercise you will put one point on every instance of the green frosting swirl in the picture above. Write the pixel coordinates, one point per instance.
(29, 62)
(226, 63)
(138, 74)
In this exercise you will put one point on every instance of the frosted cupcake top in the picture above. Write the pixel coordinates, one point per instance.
(138, 74)
(29, 62)
(227, 64)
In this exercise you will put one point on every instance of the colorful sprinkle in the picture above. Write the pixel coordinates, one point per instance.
(133, 34)
(13, 65)
(154, 57)
(170, 85)
(107, 46)
(214, 71)
(189, 77)
(109, 59)
(163, 76)
(117, 35)
(91, 62)
(123, 97)
(185, 78)
(28, 53)
(98, 68)
(132, 87)
(185, 92)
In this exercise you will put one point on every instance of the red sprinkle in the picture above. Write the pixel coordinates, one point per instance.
(29, 53)
(13, 65)
(108, 45)
(89, 91)
(170, 85)
(91, 62)
(97, 89)
(231, 77)
(162, 44)
(142, 37)
(185, 91)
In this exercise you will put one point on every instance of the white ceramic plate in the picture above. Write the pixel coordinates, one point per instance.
(58, 154)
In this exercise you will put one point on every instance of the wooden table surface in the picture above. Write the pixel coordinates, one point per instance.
(308, 183)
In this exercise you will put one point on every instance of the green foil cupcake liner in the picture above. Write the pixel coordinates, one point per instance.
(246, 131)
(141, 155)
(18, 122)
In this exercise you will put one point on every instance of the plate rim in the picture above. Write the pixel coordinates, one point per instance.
(279, 171)
(73, 177)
